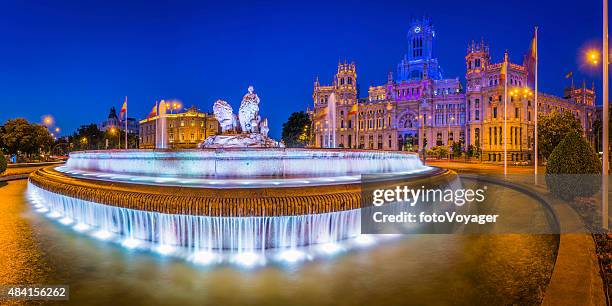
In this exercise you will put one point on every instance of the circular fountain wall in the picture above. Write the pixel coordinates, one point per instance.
(236, 199)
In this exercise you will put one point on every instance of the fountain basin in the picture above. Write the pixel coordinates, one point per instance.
(225, 215)
(244, 163)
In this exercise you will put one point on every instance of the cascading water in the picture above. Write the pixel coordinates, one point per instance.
(202, 237)
(238, 234)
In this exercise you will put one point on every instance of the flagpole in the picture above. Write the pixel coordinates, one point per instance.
(505, 112)
(535, 107)
(126, 124)
(605, 110)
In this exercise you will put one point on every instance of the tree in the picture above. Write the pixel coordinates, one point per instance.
(553, 127)
(439, 152)
(571, 168)
(296, 131)
(597, 131)
(20, 136)
(2, 163)
(88, 137)
(457, 148)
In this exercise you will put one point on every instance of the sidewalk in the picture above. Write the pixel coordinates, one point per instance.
(576, 278)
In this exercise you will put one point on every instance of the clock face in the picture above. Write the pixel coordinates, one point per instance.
(417, 30)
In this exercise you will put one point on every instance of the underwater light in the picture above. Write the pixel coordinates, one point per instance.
(130, 243)
(204, 258)
(164, 249)
(102, 234)
(330, 248)
(247, 259)
(81, 227)
(292, 256)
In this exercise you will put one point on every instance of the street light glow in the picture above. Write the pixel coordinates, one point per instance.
(48, 120)
(593, 56)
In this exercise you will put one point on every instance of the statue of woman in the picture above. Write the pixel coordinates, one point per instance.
(248, 114)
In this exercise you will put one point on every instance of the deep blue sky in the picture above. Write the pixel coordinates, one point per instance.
(76, 59)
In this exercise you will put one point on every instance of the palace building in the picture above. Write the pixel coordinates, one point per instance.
(184, 130)
(420, 109)
(417, 109)
(485, 106)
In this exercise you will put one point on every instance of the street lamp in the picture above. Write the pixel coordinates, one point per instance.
(112, 131)
(448, 136)
(593, 58)
(48, 120)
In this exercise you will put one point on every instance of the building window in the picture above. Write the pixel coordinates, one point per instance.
(494, 112)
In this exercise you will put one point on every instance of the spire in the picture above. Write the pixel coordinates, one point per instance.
(390, 77)
(316, 83)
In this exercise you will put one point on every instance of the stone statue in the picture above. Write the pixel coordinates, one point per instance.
(248, 113)
(254, 129)
(225, 115)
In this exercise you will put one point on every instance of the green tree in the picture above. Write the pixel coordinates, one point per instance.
(88, 137)
(457, 149)
(439, 152)
(597, 131)
(20, 136)
(572, 167)
(2, 163)
(296, 131)
(553, 127)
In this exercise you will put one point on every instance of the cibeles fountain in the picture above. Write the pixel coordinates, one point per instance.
(240, 198)
(246, 131)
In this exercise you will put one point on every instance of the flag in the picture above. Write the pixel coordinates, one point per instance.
(353, 110)
(530, 60)
(323, 113)
(504, 68)
(123, 109)
(153, 112)
(569, 74)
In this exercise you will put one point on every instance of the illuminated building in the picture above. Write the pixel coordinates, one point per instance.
(422, 109)
(418, 109)
(113, 121)
(484, 99)
(184, 130)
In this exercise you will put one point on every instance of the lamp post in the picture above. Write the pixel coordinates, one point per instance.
(593, 58)
(604, 191)
(448, 136)
(112, 132)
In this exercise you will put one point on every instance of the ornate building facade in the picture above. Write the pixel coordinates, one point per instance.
(113, 121)
(184, 130)
(418, 109)
(485, 106)
(421, 109)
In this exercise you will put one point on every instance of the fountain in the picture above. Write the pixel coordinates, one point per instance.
(240, 193)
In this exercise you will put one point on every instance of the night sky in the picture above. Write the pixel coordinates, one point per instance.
(76, 59)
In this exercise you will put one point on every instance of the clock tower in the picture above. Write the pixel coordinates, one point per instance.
(419, 62)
